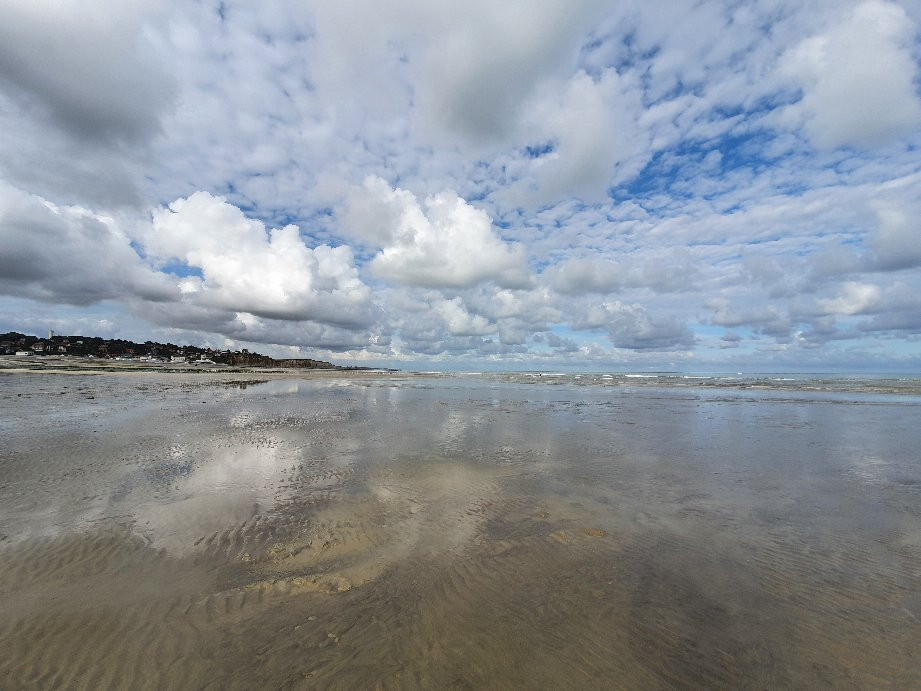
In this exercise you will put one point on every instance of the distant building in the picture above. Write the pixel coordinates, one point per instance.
(38, 347)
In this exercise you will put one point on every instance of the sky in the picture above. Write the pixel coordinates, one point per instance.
(528, 184)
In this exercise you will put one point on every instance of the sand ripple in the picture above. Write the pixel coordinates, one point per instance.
(384, 536)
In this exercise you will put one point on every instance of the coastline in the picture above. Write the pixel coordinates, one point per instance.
(904, 386)
(58, 364)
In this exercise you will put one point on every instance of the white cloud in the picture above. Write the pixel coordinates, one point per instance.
(591, 127)
(84, 90)
(587, 275)
(898, 237)
(245, 268)
(661, 271)
(460, 322)
(444, 242)
(561, 343)
(481, 61)
(852, 298)
(766, 318)
(69, 255)
(858, 78)
(88, 67)
(631, 326)
(691, 118)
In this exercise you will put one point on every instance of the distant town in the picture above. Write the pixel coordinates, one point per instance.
(92, 347)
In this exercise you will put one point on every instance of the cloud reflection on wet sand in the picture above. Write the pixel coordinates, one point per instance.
(465, 532)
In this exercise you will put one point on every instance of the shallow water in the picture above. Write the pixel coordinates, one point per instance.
(457, 531)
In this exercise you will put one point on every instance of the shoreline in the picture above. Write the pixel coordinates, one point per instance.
(906, 388)
(56, 364)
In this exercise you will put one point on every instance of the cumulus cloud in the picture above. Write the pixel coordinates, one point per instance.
(483, 60)
(633, 327)
(730, 339)
(444, 242)
(245, 268)
(894, 308)
(852, 298)
(767, 319)
(88, 67)
(586, 275)
(536, 306)
(627, 169)
(561, 343)
(244, 327)
(590, 138)
(661, 271)
(858, 78)
(69, 255)
(484, 321)
(84, 92)
(897, 241)
(460, 322)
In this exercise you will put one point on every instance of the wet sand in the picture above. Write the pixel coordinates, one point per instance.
(399, 531)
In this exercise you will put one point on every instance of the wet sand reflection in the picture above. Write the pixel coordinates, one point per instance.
(454, 532)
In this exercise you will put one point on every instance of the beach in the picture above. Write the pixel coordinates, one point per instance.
(399, 530)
